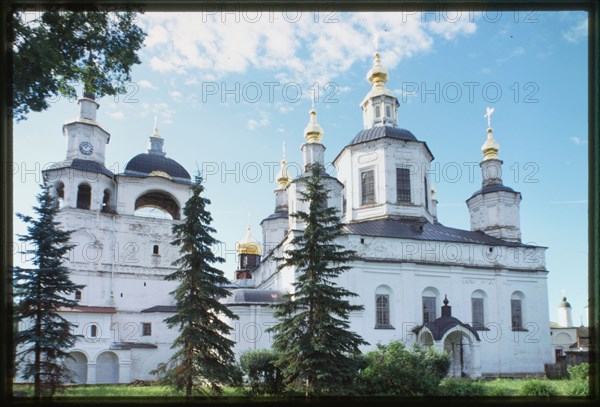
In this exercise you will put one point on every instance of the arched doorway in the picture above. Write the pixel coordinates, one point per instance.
(76, 363)
(107, 368)
(458, 346)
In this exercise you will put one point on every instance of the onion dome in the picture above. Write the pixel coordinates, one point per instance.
(249, 245)
(564, 303)
(490, 148)
(378, 74)
(313, 132)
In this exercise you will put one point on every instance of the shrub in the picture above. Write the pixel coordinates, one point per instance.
(537, 388)
(498, 392)
(461, 388)
(579, 372)
(263, 376)
(580, 388)
(394, 370)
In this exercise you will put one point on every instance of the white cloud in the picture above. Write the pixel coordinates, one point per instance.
(254, 123)
(146, 84)
(175, 95)
(117, 115)
(577, 32)
(303, 51)
(577, 141)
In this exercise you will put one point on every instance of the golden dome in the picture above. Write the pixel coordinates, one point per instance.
(313, 132)
(490, 148)
(283, 179)
(378, 74)
(248, 245)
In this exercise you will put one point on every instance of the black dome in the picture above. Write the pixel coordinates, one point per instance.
(145, 163)
(375, 133)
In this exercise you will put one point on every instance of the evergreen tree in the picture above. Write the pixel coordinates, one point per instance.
(204, 355)
(40, 292)
(313, 335)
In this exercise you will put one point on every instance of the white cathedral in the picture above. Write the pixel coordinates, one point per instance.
(480, 295)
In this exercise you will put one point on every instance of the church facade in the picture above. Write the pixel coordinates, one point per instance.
(479, 294)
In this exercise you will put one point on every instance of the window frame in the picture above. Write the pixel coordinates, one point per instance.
(478, 324)
(383, 314)
(146, 329)
(362, 173)
(406, 177)
(430, 312)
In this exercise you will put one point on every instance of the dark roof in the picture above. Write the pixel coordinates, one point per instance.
(84, 309)
(145, 163)
(276, 215)
(440, 326)
(161, 308)
(131, 345)
(375, 133)
(493, 188)
(253, 296)
(83, 165)
(583, 332)
(419, 230)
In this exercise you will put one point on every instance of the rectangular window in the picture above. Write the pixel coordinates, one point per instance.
(146, 329)
(516, 315)
(426, 194)
(388, 111)
(78, 295)
(367, 179)
(377, 111)
(477, 311)
(428, 309)
(402, 184)
(382, 317)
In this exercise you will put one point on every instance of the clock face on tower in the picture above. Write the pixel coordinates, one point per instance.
(86, 147)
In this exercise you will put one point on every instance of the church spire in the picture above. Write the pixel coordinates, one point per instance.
(156, 141)
(283, 178)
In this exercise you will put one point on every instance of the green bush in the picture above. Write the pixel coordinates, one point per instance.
(461, 388)
(498, 392)
(263, 376)
(579, 372)
(580, 388)
(394, 370)
(537, 388)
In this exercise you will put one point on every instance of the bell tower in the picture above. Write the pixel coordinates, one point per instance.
(86, 138)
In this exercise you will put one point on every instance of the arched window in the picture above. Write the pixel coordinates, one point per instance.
(157, 204)
(388, 111)
(155, 249)
(84, 196)
(429, 301)
(478, 309)
(106, 201)
(383, 317)
(60, 194)
(377, 112)
(93, 331)
(516, 311)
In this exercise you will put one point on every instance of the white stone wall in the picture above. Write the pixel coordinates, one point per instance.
(384, 156)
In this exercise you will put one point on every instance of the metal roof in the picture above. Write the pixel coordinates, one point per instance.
(83, 165)
(253, 296)
(440, 326)
(419, 230)
(145, 163)
(492, 188)
(375, 133)
(84, 309)
(161, 308)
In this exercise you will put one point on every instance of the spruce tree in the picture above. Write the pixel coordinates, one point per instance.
(43, 342)
(312, 334)
(204, 355)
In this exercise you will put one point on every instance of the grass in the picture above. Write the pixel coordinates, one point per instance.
(494, 388)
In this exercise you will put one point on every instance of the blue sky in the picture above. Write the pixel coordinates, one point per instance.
(229, 89)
